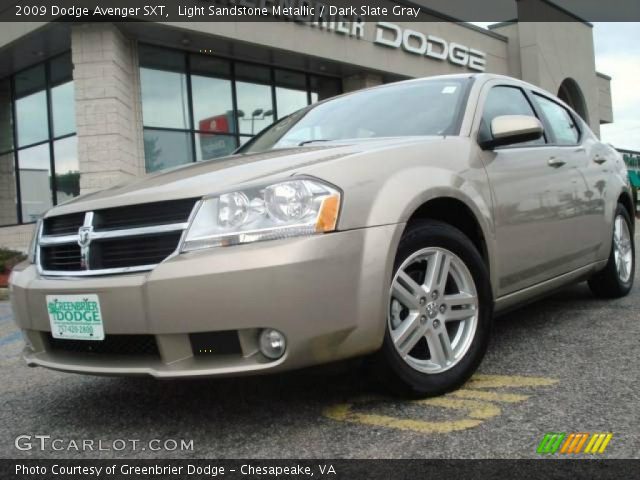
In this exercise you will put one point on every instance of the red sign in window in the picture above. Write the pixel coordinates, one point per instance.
(217, 124)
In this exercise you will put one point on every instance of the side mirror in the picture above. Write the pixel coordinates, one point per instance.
(510, 129)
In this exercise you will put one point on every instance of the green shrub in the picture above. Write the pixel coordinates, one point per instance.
(9, 259)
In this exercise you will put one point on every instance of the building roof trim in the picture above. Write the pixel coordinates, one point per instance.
(451, 19)
(567, 12)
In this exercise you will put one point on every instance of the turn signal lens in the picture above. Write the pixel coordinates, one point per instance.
(328, 217)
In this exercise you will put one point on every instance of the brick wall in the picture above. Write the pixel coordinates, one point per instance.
(8, 212)
(17, 237)
(110, 147)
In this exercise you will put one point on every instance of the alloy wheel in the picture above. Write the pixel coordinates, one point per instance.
(433, 310)
(622, 249)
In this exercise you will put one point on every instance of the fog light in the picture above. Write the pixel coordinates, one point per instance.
(272, 343)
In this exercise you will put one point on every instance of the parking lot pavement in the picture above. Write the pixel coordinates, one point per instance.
(569, 363)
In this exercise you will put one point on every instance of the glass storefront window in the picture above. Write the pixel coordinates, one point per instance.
(208, 106)
(291, 92)
(35, 181)
(209, 146)
(31, 116)
(164, 99)
(31, 106)
(60, 69)
(166, 149)
(255, 110)
(212, 105)
(67, 168)
(30, 81)
(163, 82)
(323, 88)
(210, 66)
(6, 117)
(41, 94)
(63, 109)
(255, 103)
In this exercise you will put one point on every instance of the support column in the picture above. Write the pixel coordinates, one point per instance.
(108, 119)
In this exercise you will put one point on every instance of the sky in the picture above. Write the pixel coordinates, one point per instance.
(617, 49)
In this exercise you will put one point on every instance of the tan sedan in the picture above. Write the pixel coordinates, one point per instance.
(392, 222)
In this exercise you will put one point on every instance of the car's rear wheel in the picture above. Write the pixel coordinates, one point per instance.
(616, 279)
(439, 312)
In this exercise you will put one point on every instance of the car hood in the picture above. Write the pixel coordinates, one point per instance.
(209, 177)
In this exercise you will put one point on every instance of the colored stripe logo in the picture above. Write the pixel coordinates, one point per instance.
(572, 443)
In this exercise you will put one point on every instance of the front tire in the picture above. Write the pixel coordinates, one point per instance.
(439, 312)
(616, 279)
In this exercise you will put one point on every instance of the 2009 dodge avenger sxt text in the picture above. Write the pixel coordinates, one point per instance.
(392, 221)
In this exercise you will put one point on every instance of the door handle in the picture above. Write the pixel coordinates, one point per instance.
(555, 162)
(599, 160)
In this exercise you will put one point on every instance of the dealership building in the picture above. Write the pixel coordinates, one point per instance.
(85, 106)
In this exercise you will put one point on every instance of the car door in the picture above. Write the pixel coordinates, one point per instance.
(573, 144)
(534, 188)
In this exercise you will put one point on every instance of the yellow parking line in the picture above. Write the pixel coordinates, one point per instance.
(475, 405)
(476, 413)
(476, 409)
(489, 396)
(343, 413)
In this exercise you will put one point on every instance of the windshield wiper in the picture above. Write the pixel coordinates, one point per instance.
(312, 141)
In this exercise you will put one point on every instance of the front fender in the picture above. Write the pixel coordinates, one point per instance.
(387, 186)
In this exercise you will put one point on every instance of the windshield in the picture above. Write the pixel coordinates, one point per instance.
(428, 107)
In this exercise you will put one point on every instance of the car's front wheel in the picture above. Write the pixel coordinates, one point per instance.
(616, 279)
(439, 312)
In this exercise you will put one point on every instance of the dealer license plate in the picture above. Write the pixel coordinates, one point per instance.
(75, 317)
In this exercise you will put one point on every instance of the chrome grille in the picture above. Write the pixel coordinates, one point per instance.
(62, 257)
(63, 225)
(117, 240)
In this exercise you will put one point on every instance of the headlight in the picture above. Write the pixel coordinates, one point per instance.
(31, 254)
(285, 209)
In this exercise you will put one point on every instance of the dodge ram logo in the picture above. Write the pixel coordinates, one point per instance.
(84, 239)
(84, 236)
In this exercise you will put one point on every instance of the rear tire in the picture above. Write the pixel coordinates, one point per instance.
(616, 279)
(437, 328)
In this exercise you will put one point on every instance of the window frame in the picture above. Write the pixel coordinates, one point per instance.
(484, 95)
(50, 140)
(193, 131)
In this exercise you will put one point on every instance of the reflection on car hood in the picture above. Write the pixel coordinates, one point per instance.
(204, 178)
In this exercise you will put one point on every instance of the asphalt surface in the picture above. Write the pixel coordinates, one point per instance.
(569, 363)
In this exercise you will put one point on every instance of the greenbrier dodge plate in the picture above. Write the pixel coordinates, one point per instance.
(75, 317)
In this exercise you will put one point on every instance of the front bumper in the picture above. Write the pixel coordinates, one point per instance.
(326, 293)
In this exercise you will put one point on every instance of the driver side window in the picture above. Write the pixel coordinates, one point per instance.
(504, 100)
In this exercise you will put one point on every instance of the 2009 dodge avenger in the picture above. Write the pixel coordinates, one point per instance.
(392, 222)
